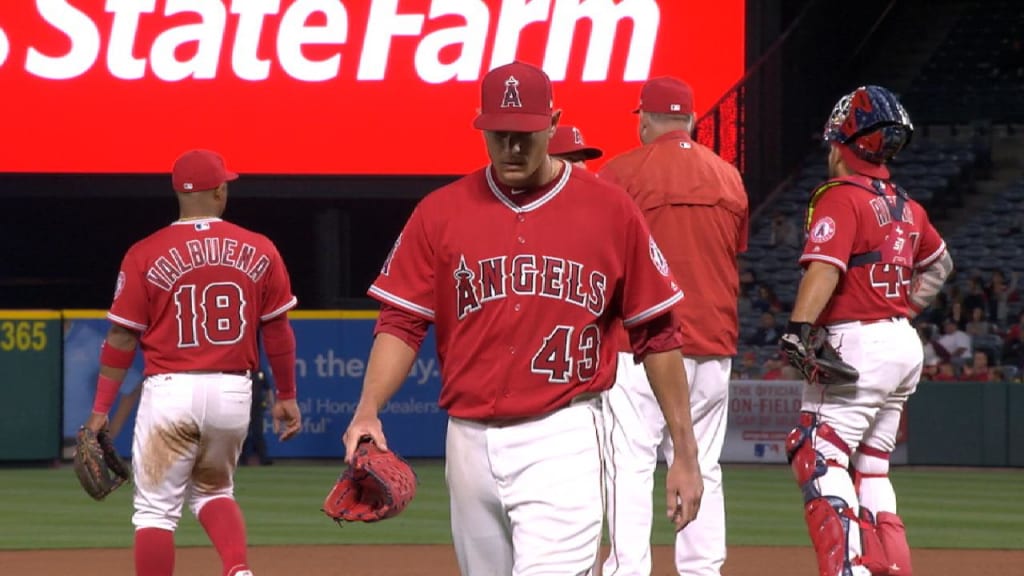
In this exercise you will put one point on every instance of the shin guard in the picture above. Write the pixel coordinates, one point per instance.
(873, 555)
(893, 536)
(828, 516)
(829, 520)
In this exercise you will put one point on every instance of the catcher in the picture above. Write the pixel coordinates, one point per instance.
(872, 260)
(378, 484)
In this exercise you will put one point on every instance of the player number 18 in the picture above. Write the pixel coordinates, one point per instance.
(214, 312)
(560, 354)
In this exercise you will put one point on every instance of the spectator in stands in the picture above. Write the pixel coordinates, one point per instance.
(928, 372)
(765, 300)
(955, 342)
(945, 373)
(1014, 331)
(784, 232)
(1000, 294)
(979, 324)
(938, 311)
(748, 279)
(747, 368)
(772, 369)
(1013, 347)
(957, 315)
(975, 297)
(977, 370)
(767, 332)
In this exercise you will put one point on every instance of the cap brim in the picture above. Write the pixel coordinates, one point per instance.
(586, 152)
(229, 176)
(512, 122)
(861, 166)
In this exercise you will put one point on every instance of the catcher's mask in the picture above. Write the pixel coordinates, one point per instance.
(871, 122)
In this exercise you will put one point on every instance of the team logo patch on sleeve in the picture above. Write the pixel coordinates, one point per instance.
(386, 268)
(120, 284)
(823, 230)
(658, 258)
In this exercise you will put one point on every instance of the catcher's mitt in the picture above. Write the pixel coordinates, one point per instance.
(808, 350)
(97, 464)
(377, 485)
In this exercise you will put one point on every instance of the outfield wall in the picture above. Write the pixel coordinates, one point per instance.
(49, 361)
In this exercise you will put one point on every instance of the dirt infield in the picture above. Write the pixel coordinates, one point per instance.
(386, 560)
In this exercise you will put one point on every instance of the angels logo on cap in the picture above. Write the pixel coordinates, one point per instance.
(511, 97)
(515, 97)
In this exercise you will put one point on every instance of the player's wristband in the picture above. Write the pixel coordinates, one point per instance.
(106, 393)
(798, 328)
(115, 357)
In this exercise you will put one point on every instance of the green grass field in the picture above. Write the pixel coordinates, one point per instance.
(46, 508)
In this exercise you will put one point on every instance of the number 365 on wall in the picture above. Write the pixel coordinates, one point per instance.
(23, 336)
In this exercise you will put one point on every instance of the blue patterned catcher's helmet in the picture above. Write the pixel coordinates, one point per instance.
(871, 122)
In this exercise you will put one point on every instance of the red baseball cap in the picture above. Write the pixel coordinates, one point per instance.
(860, 165)
(515, 97)
(569, 140)
(666, 95)
(199, 170)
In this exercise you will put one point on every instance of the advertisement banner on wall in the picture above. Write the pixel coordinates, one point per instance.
(331, 359)
(761, 415)
(327, 86)
(333, 348)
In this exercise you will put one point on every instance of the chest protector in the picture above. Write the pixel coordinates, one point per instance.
(897, 247)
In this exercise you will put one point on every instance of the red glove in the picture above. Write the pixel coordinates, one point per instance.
(377, 485)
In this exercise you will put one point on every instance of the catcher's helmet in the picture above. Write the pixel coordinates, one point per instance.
(871, 122)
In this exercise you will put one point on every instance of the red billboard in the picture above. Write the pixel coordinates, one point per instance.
(330, 86)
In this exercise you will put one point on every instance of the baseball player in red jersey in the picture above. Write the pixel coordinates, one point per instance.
(696, 207)
(872, 260)
(193, 296)
(567, 144)
(525, 268)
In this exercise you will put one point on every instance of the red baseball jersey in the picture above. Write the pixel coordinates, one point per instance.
(878, 242)
(525, 292)
(198, 290)
(696, 207)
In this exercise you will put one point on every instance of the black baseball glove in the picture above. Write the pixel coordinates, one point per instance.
(808, 350)
(97, 464)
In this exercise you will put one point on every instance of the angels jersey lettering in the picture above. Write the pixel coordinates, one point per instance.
(848, 221)
(528, 294)
(198, 290)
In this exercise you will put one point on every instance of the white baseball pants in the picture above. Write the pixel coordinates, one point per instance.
(527, 498)
(636, 432)
(188, 436)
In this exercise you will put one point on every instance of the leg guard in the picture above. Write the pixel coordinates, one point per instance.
(893, 536)
(886, 552)
(829, 517)
(828, 522)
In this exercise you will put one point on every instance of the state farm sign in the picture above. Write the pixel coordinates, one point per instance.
(329, 86)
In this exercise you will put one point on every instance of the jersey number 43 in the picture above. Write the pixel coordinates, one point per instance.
(560, 354)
